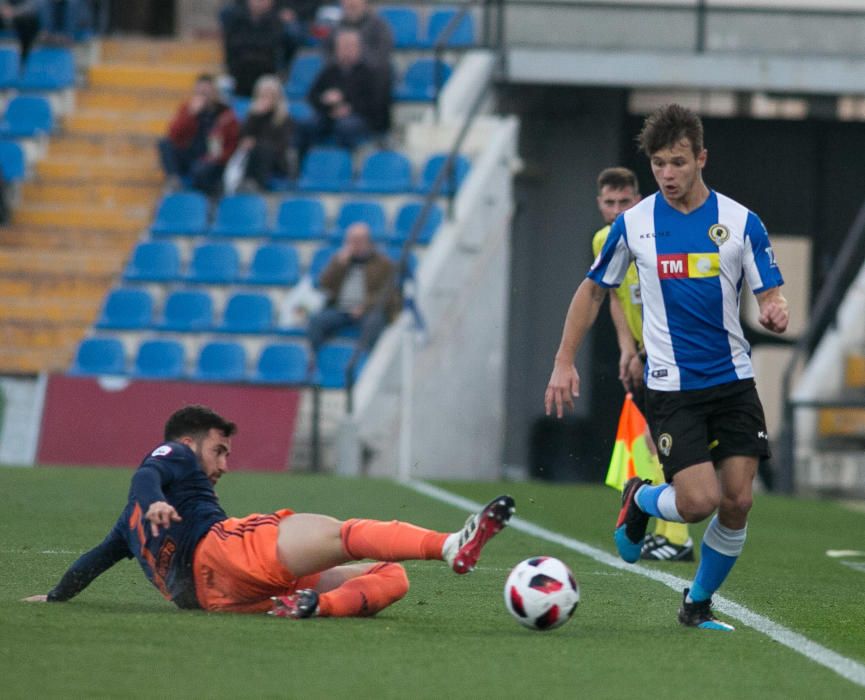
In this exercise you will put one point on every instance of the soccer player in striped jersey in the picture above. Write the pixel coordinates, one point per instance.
(618, 191)
(693, 248)
(289, 564)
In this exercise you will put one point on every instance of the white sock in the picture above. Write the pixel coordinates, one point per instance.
(667, 506)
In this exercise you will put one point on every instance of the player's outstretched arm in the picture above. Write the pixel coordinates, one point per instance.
(564, 382)
(774, 314)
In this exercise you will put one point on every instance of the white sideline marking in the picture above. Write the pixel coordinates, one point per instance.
(852, 670)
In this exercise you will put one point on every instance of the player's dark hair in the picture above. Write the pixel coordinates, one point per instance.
(618, 179)
(668, 125)
(205, 78)
(196, 421)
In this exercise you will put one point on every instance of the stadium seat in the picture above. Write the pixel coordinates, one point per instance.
(240, 215)
(48, 68)
(330, 365)
(159, 359)
(418, 83)
(406, 218)
(187, 311)
(431, 170)
(320, 259)
(462, 36)
(353, 211)
(214, 263)
(13, 163)
(303, 72)
(274, 263)
(247, 312)
(404, 26)
(282, 363)
(300, 110)
(221, 362)
(181, 214)
(385, 172)
(394, 252)
(126, 309)
(300, 219)
(326, 170)
(153, 261)
(240, 105)
(27, 116)
(99, 356)
(10, 66)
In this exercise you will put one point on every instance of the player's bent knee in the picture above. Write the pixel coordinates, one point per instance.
(697, 509)
(738, 505)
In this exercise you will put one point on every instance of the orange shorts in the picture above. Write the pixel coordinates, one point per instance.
(236, 567)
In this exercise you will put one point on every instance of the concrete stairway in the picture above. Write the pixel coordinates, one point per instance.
(91, 198)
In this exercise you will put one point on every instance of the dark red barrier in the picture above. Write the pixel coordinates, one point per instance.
(89, 422)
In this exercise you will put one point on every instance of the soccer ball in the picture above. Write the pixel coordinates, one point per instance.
(542, 593)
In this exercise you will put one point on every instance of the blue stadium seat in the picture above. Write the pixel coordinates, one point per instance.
(181, 214)
(300, 110)
(159, 359)
(13, 163)
(247, 312)
(99, 356)
(301, 75)
(331, 363)
(394, 252)
(10, 66)
(240, 215)
(48, 68)
(404, 26)
(153, 261)
(405, 220)
(300, 220)
(462, 36)
(385, 172)
(126, 309)
(320, 259)
(221, 362)
(418, 83)
(431, 170)
(214, 263)
(27, 116)
(326, 170)
(240, 105)
(371, 213)
(187, 311)
(282, 363)
(274, 263)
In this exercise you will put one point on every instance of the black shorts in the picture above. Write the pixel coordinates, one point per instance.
(707, 425)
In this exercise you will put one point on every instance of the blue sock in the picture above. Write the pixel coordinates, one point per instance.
(647, 499)
(720, 550)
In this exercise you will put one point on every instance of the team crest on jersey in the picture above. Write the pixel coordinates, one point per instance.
(719, 234)
(665, 444)
(161, 451)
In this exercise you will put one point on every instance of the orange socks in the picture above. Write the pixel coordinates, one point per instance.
(365, 595)
(390, 541)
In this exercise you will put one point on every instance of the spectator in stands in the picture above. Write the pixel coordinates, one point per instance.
(255, 40)
(201, 138)
(375, 35)
(267, 133)
(65, 20)
(22, 17)
(348, 106)
(355, 279)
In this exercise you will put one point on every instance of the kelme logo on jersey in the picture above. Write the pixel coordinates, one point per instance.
(719, 234)
(689, 265)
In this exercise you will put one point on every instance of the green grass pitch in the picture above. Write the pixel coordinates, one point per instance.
(451, 636)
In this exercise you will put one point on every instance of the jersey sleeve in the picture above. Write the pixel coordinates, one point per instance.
(761, 268)
(90, 565)
(612, 262)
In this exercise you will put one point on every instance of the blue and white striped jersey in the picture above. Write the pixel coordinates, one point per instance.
(691, 268)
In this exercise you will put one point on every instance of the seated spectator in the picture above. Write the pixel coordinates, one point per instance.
(22, 17)
(375, 35)
(348, 106)
(254, 41)
(266, 135)
(354, 281)
(201, 138)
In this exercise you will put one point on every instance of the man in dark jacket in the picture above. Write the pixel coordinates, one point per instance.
(253, 44)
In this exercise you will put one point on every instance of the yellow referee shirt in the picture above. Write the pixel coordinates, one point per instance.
(628, 292)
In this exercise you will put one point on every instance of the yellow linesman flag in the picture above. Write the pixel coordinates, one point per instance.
(631, 456)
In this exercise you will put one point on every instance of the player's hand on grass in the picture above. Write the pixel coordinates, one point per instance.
(563, 386)
(161, 514)
(41, 598)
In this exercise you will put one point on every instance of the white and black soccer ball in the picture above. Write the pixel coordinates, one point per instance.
(542, 593)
